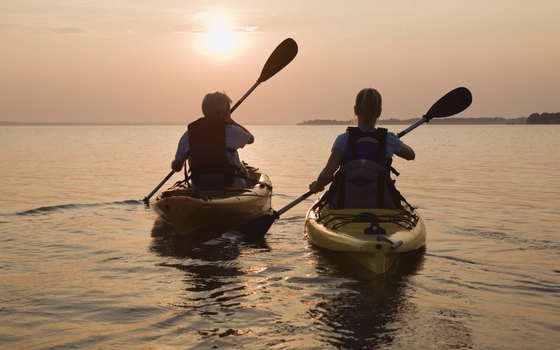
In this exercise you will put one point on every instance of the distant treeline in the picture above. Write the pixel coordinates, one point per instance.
(535, 118)
(326, 122)
(544, 118)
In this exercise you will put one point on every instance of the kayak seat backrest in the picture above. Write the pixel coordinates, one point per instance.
(220, 177)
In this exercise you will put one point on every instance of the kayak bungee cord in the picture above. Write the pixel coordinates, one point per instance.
(403, 219)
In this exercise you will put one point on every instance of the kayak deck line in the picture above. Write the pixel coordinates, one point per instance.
(407, 220)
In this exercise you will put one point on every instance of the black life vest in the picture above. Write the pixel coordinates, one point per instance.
(208, 161)
(363, 180)
(369, 145)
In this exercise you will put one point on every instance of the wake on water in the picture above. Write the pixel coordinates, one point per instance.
(62, 207)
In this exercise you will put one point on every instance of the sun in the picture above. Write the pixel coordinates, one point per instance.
(219, 38)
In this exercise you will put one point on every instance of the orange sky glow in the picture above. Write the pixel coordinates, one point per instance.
(152, 62)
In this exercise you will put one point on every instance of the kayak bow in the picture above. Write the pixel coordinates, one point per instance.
(374, 238)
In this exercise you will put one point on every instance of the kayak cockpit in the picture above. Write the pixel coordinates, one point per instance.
(209, 211)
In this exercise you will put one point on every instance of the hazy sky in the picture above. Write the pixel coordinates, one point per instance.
(153, 60)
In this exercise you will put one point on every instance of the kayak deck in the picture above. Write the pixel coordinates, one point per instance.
(372, 237)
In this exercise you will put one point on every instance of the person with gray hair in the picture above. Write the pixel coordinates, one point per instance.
(210, 145)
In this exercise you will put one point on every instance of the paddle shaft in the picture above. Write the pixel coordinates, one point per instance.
(424, 119)
(147, 198)
(244, 96)
(294, 203)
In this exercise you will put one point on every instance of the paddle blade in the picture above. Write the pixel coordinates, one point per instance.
(257, 228)
(279, 58)
(455, 101)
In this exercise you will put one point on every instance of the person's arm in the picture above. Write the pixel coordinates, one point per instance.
(181, 154)
(233, 122)
(406, 152)
(327, 174)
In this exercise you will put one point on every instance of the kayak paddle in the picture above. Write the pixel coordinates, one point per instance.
(284, 53)
(453, 102)
(278, 59)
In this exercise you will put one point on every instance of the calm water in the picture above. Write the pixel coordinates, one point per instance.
(81, 268)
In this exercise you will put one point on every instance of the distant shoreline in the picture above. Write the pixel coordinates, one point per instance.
(4, 123)
(443, 121)
(535, 118)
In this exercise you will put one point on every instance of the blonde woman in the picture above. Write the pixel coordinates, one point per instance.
(369, 145)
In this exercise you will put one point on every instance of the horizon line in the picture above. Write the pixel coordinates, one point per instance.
(88, 123)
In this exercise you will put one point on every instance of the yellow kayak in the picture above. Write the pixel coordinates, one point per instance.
(207, 212)
(374, 238)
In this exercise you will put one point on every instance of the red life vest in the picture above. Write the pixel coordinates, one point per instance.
(209, 163)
